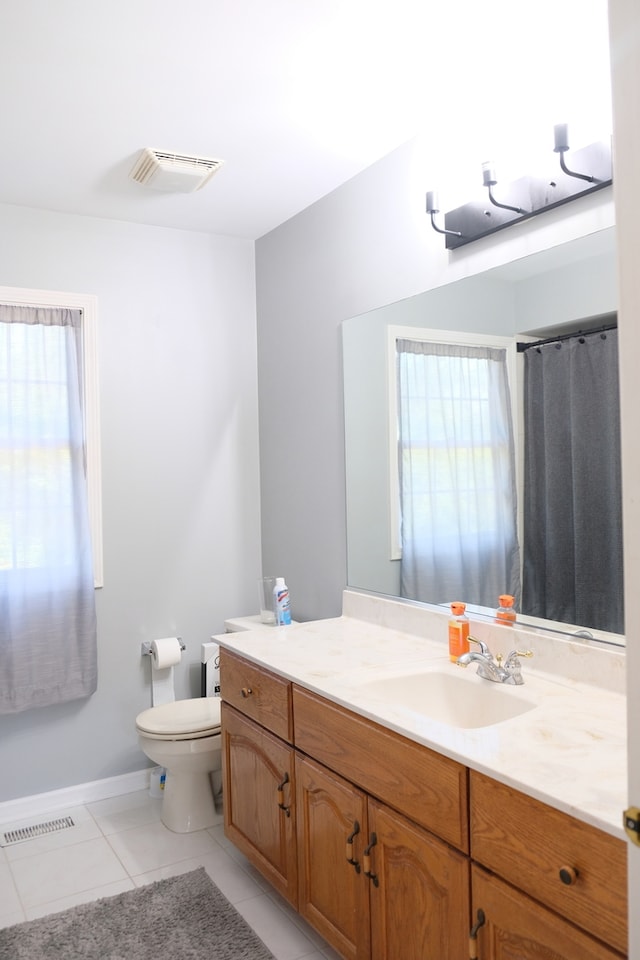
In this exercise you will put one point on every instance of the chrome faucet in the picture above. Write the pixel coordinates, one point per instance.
(490, 669)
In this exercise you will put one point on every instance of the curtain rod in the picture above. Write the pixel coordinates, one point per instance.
(566, 336)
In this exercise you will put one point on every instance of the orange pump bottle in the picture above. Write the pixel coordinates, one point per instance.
(505, 614)
(458, 632)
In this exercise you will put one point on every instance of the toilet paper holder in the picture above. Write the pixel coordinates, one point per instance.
(145, 647)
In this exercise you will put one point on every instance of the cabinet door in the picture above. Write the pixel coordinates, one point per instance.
(259, 794)
(517, 928)
(333, 893)
(419, 892)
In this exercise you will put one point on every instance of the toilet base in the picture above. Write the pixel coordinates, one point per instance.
(187, 802)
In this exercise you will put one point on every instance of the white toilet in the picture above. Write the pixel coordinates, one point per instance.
(184, 738)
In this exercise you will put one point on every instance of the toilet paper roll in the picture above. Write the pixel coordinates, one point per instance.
(165, 652)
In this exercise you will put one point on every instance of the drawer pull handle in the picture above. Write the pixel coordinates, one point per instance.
(246, 692)
(281, 802)
(354, 833)
(473, 935)
(366, 860)
(568, 875)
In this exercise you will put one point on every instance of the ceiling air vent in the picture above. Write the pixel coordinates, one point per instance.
(173, 172)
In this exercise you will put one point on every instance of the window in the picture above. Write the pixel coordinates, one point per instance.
(87, 336)
(454, 467)
(48, 444)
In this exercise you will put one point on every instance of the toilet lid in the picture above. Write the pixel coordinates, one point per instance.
(182, 718)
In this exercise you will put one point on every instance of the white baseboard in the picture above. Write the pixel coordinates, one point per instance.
(36, 805)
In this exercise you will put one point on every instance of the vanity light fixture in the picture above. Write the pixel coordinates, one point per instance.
(489, 181)
(528, 196)
(432, 209)
(561, 139)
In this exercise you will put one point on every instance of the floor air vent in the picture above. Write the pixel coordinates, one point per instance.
(38, 830)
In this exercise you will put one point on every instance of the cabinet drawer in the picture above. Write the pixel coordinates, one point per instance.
(428, 788)
(529, 843)
(261, 695)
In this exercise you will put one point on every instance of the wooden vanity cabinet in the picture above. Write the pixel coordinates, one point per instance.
(389, 849)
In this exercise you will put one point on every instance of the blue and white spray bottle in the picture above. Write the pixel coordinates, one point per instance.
(281, 603)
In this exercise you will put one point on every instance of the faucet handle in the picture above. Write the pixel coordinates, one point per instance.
(515, 654)
(484, 649)
(512, 667)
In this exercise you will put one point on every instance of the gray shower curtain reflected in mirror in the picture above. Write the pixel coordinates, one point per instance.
(573, 566)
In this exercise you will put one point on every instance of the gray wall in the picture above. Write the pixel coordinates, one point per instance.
(177, 359)
(367, 244)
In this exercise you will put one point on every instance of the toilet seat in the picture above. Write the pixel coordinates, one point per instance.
(181, 720)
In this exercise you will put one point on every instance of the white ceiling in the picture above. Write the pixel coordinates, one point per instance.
(296, 96)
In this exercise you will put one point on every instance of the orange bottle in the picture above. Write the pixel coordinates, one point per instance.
(458, 632)
(505, 614)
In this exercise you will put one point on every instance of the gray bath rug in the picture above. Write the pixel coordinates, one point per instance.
(182, 918)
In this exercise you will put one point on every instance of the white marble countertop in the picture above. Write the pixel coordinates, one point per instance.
(569, 751)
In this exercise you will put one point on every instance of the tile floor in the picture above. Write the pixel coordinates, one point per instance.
(121, 843)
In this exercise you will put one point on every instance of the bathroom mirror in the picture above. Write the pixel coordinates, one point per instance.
(569, 287)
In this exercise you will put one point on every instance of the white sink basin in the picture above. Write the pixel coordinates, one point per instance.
(457, 699)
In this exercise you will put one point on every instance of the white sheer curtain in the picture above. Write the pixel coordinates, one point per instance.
(48, 649)
(457, 474)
